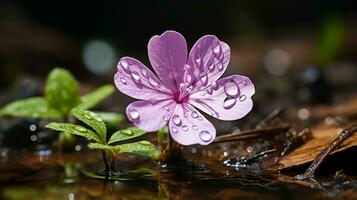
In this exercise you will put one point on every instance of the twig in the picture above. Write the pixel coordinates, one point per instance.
(251, 133)
(107, 169)
(310, 172)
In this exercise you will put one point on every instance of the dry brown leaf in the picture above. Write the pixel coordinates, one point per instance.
(308, 151)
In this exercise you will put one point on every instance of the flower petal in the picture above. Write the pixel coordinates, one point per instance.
(226, 99)
(150, 115)
(136, 80)
(188, 126)
(168, 55)
(208, 60)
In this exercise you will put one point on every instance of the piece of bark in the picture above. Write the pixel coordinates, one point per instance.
(307, 152)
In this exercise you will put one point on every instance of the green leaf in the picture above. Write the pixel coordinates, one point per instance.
(142, 148)
(74, 129)
(111, 119)
(162, 134)
(125, 134)
(93, 120)
(62, 92)
(35, 107)
(93, 98)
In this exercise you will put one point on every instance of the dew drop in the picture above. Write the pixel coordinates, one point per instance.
(135, 76)
(144, 72)
(231, 89)
(214, 85)
(123, 80)
(176, 120)
(185, 128)
(87, 116)
(166, 108)
(188, 78)
(125, 65)
(242, 97)
(204, 79)
(128, 132)
(194, 127)
(209, 90)
(200, 118)
(220, 67)
(217, 50)
(186, 67)
(174, 129)
(198, 59)
(210, 65)
(166, 118)
(153, 82)
(205, 136)
(229, 103)
(194, 114)
(80, 129)
(133, 113)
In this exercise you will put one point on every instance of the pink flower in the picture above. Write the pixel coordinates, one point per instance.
(182, 84)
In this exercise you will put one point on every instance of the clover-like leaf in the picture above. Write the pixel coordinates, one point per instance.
(111, 119)
(74, 129)
(62, 92)
(35, 107)
(126, 134)
(93, 120)
(93, 98)
(142, 148)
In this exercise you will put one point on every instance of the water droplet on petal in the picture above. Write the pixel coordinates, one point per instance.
(174, 129)
(229, 103)
(166, 108)
(144, 72)
(214, 85)
(133, 113)
(231, 89)
(205, 136)
(194, 127)
(242, 97)
(176, 120)
(153, 82)
(166, 118)
(198, 59)
(186, 67)
(200, 118)
(210, 65)
(135, 76)
(220, 66)
(185, 128)
(125, 65)
(123, 80)
(188, 78)
(217, 50)
(194, 114)
(204, 79)
(209, 90)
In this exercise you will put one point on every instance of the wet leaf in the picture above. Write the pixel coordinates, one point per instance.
(62, 92)
(111, 119)
(93, 98)
(125, 134)
(35, 107)
(93, 120)
(74, 129)
(142, 148)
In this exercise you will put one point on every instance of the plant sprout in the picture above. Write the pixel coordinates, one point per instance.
(61, 96)
(98, 134)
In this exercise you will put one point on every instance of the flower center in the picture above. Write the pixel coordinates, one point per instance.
(179, 97)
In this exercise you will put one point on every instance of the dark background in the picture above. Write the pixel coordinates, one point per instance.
(283, 43)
